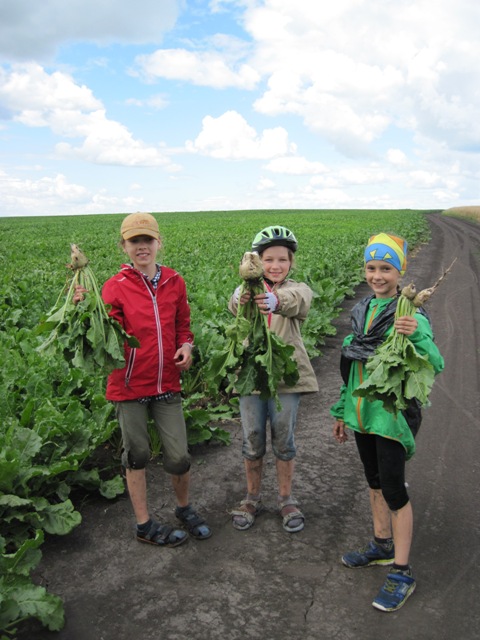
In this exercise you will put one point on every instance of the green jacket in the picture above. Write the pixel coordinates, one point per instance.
(370, 417)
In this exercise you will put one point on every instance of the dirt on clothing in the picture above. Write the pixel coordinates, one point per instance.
(267, 584)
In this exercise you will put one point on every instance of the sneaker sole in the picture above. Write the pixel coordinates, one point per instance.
(380, 607)
(381, 563)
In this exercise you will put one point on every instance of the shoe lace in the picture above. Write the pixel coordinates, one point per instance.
(390, 585)
(374, 547)
(364, 549)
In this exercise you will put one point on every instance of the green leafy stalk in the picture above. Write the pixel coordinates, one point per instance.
(254, 359)
(397, 373)
(21, 599)
(84, 332)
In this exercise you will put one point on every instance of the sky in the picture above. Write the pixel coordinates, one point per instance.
(197, 105)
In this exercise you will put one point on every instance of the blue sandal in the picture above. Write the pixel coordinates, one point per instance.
(194, 523)
(162, 535)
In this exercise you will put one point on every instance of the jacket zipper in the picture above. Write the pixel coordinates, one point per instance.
(131, 359)
(159, 342)
(360, 375)
(131, 362)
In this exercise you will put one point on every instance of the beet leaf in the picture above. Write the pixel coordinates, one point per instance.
(397, 373)
(254, 359)
(84, 333)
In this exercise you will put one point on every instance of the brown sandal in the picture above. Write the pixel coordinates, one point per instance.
(293, 518)
(244, 517)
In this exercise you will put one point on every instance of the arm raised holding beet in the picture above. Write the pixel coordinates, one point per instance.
(79, 323)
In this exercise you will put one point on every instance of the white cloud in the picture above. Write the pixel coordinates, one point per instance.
(34, 30)
(325, 197)
(41, 195)
(34, 96)
(230, 137)
(102, 203)
(358, 175)
(265, 184)
(295, 165)
(37, 99)
(56, 195)
(427, 179)
(446, 198)
(381, 98)
(116, 148)
(156, 102)
(353, 70)
(371, 174)
(396, 157)
(210, 69)
(43, 187)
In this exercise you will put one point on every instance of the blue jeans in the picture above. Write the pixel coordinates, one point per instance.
(255, 413)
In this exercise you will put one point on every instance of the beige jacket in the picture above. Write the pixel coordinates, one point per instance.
(294, 303)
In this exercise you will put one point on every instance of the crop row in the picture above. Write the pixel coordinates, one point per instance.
(54, 418)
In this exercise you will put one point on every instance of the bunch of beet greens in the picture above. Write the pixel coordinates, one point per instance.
(83, 332)
(254, 359)
(397, 373)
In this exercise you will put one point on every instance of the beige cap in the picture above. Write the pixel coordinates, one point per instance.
(139, 224)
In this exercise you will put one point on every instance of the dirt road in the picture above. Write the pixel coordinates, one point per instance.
(265, 584)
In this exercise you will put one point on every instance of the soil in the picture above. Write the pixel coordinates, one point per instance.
(271, 585)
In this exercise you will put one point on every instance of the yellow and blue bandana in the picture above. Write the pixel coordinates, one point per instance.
(388, 248)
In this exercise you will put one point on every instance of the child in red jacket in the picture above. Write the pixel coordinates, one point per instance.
(150, 302)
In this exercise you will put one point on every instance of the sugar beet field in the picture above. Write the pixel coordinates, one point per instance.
(54, 418)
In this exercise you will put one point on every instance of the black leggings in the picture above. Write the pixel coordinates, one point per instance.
(384, 464)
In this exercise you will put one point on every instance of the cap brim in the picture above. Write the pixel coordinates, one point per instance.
(132, 233)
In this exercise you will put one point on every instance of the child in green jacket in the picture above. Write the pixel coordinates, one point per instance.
(385, 441)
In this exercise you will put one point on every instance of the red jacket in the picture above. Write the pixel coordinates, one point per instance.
(160, 320)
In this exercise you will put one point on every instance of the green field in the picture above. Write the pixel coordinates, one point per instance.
(54, 417)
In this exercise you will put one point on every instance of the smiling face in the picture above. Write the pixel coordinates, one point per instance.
(142, 251)
(276, 263)
(382, 278)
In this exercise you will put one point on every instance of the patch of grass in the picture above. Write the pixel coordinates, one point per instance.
(470, 212)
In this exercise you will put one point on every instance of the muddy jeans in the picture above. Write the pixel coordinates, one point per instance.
(255, 413)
